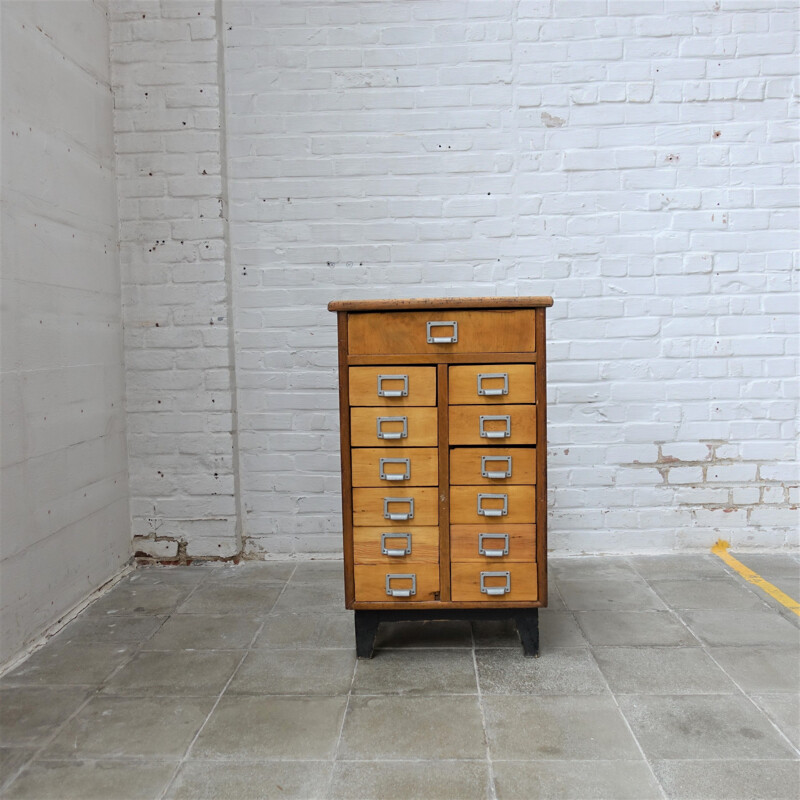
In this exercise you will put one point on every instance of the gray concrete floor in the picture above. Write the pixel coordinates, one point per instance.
(660, 677)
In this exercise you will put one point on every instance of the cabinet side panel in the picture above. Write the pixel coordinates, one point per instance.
(444, 484)
(347, 488)
(541, 455)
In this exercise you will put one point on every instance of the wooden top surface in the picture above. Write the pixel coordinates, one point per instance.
(426, 303)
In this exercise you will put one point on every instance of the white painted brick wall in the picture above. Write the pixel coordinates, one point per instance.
(634, 160)
(64, 521)
(174, 277)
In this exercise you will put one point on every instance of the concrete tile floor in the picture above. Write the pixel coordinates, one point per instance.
(660, 677)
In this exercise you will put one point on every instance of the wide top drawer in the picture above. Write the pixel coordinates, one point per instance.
(442, 331)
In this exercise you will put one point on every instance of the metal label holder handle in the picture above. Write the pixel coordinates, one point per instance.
(495, 590)
(441, 339)
(388, 551)
(398, 517)
(487, 473)
(396, 576)
(495, 434)
(395, 476)
(394, 434)
(485, 376)
(482, 537)
(492, 512)
(392, 392)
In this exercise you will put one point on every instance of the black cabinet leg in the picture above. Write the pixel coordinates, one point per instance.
(366, 628)
(528, 629)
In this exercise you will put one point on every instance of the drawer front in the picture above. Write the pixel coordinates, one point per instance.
(492, 544)
(420, 464)
(393, 386)
(518, 578)
(491, 384)
(371, 582)
(441, 332)
(518, 502)
(396, 508)
(498, 425)
(382, 545)
(491, 465)
(404, 427)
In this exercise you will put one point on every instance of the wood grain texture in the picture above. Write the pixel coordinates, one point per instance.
(423, 466)
(367, 545)
(465, 465)
(491, 331)
(422, 427)
(464, 384)
(541, 457)
(465, 425)
(344, 443)
(371, 582)
(387, 359)
(368, 506)
(466, 579)
(439, 302)
(464, 541)
(464, 505)
(421, 386)
(444, 482)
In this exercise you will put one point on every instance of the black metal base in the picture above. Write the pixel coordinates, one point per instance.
(526, 619)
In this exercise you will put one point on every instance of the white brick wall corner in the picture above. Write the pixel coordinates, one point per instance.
(635, 160)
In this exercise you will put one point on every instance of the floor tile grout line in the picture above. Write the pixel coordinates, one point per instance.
(216, 703)
(707, 650)
(491, 788)
(97, 686)
(628, 725)
(334, 759)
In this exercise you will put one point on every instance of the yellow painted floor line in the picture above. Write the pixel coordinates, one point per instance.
(721, 549)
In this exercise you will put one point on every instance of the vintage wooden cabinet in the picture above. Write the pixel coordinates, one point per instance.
(444, 473)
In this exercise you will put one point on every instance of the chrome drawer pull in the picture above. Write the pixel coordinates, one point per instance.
(401, 592)
(392, 435)
(442, 339)
(496, 434)
(492, 512)
(398, 517)
(495, 590)
(392, 392)
(482, 537)
(387, 551)
(486, 473)
(485, 376)
(395, 476)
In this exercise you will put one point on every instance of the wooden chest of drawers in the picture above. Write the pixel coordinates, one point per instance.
(443, 435)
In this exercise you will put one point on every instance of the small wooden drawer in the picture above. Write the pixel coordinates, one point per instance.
(498, 425)
(482, 505)
(384, 467)
(382, 545)
(403, 427)
(441, 332)
(492, 465)
(392, 386)
(410, 582)
(492, 544)
(492, 383)
(402, 506)
(473, 582)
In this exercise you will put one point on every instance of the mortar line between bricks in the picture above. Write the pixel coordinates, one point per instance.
(707, 650)
(98, 687)
(247, 651)
(491, 789)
